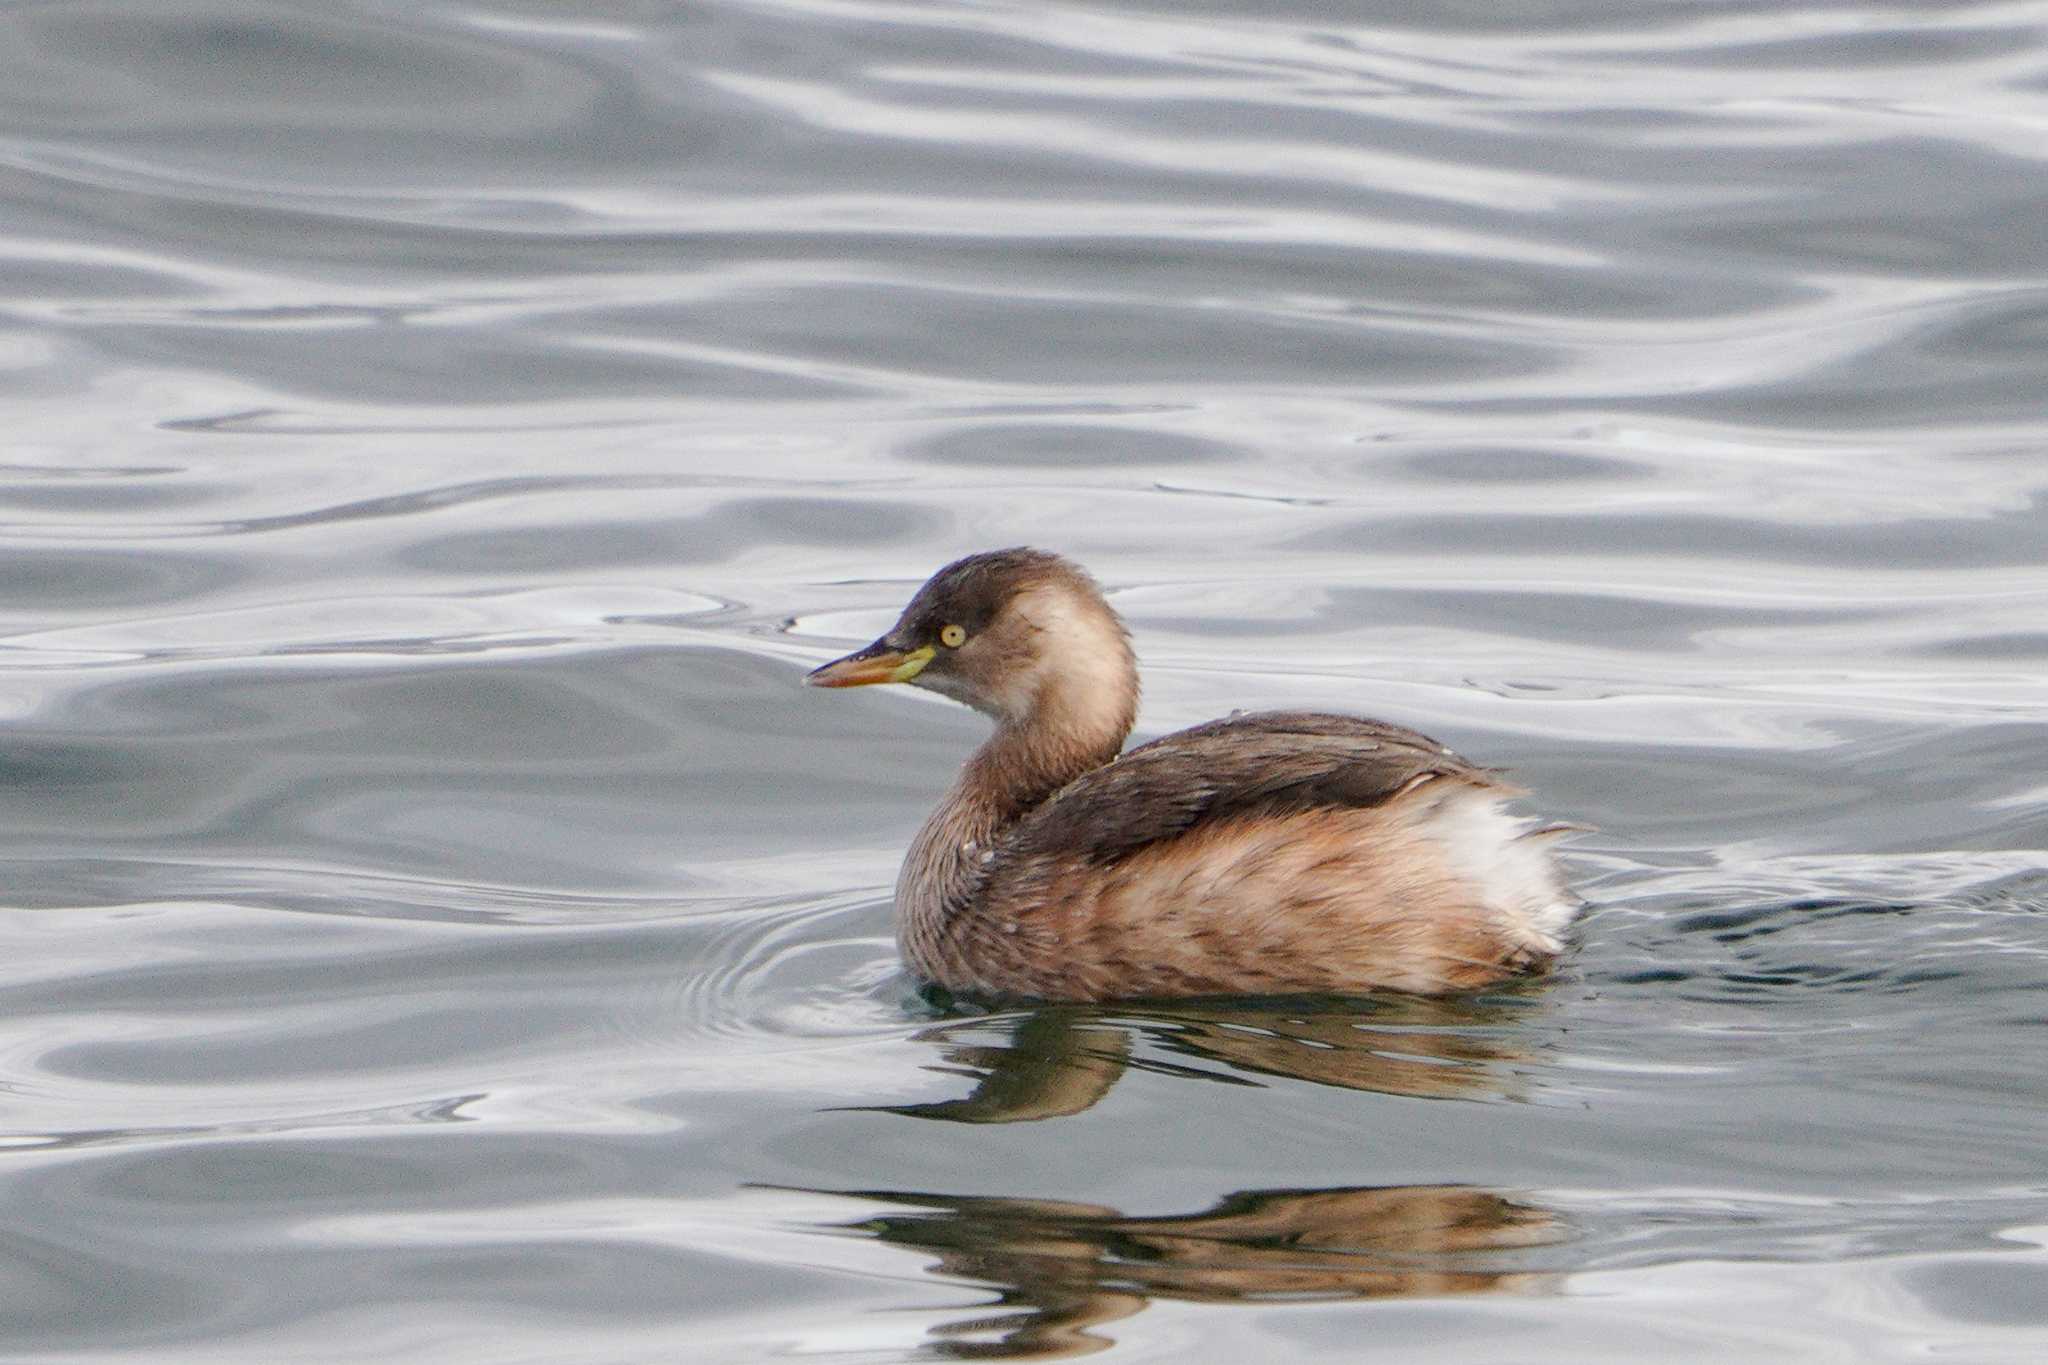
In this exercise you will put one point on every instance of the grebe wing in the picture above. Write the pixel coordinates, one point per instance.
(1266, 762)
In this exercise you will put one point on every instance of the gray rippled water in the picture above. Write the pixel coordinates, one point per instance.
(439, 435)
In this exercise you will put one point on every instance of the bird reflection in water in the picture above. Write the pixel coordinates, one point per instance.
(1058, 1060)
(1061, 1269)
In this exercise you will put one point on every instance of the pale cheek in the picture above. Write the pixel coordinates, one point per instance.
(947, 686)
(1016, 695)
(1101, 673)
(1093, 658)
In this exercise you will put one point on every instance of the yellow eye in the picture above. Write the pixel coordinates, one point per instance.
(952, 637)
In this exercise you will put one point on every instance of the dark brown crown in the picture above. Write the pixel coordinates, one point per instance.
(970, 592)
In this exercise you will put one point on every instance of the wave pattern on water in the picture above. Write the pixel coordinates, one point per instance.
(439, 435)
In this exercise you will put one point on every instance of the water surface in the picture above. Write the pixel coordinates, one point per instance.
(436, 921)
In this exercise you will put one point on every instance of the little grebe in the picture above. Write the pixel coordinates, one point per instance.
(1281, 852)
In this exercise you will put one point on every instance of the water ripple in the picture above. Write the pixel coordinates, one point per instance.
(441, 435)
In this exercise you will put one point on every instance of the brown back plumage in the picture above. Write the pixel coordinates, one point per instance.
(1244, 766)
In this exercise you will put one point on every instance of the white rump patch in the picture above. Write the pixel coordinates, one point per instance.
(1490, 844)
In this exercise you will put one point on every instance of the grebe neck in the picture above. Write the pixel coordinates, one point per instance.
(1067, 733)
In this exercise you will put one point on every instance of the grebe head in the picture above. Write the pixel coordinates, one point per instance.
(1020, 634)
